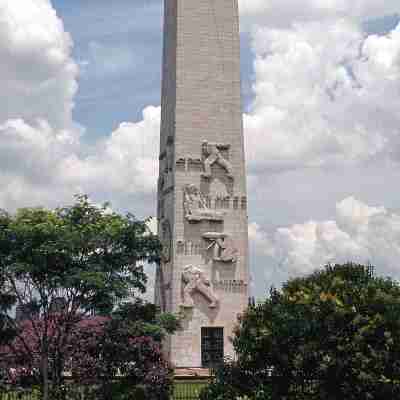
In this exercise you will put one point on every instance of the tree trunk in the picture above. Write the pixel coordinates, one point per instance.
(45, 375)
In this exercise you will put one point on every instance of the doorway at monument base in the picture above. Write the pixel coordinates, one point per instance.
(204, 338)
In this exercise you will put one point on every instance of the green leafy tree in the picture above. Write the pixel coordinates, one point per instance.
(7, 300)
(7, 328)
(63, 264)
(332, 335)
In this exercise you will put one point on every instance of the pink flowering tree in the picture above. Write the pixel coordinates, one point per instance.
(59, 266)
(118, 356)
(122, 355)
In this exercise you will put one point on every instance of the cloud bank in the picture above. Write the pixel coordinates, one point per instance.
(43, 159)
(359, 233)
(283, 13)
(326, 96)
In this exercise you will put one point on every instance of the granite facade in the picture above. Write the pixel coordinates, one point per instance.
(202, 199)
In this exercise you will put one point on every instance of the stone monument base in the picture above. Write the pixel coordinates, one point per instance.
(196, 373)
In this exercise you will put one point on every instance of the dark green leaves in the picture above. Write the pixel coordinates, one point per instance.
(334, 334)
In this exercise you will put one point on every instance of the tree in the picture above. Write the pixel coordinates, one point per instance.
(122, 354)
(332, 335)
(61, 265)
(7, 300)
(7, 331)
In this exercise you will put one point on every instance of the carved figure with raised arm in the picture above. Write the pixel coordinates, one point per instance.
(212, 151)
(223, 246)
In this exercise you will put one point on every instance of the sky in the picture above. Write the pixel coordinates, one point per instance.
(80, 113)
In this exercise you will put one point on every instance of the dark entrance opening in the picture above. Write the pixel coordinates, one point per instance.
(212, 346)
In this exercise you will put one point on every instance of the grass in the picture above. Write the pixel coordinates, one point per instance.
(183, 390)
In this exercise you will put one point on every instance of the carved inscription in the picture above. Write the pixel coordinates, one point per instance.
(235, 286)
(181, 164)
(189, 248)
(194, 164)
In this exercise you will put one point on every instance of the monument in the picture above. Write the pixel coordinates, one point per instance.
(202, 202)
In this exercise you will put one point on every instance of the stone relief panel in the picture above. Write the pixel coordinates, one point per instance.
(230, 285)
(196, 206)
(212, 153)
(165, 180)
(181, 164)
(195, 165)
(190, 248)
(223, 247)
(195, 281)
(161, 288)
(244, 203)
(166, 241)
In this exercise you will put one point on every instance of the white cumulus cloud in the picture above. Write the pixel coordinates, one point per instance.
(325, 94)
(359, 233)
(282, 13)
(37, 74)
(42, 156)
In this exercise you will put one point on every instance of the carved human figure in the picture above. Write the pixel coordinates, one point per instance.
(223, 247)
(169, 158)
(213, 154)
(195, 206)
(166, 241)
(194, 280)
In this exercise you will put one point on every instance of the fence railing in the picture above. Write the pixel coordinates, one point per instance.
(188, 389)
(183, 390)
(26, 395)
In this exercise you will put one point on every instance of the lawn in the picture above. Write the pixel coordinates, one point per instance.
(183, 390)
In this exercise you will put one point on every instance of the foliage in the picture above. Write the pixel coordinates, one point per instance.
(123, 354)
(7, 299)
(61, 265)
(332, 335)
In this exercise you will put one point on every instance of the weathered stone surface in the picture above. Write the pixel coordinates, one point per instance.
(202, 186)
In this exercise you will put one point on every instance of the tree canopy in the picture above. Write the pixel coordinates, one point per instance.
(332, 335)
(7, 300)
(62, 265)
(122, 354)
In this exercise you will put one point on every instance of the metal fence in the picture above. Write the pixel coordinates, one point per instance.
(188, 389)
(28, 395)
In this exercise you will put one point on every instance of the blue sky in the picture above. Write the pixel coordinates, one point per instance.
(321, 84)
(123, 44)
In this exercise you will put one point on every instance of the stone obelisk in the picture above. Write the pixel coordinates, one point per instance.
(202, 202)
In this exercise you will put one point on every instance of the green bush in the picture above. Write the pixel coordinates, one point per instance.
(333, 335)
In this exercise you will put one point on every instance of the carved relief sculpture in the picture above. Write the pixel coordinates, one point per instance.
(169, 159)
(212, 152)
(223, 247)
(196, 207)
(166, 241)
(194, 280)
